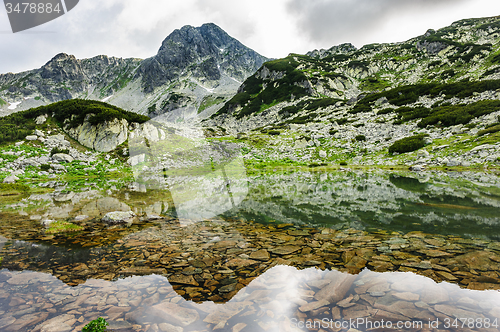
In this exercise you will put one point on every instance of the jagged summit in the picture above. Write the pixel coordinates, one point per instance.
(195, 69)
(206, 52)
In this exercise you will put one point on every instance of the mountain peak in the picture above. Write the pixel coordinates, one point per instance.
(206, 51)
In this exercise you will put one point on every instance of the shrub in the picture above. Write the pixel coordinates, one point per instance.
(273, 132)
(57, 150)
(45, 167)
(385, 111)
(360, 108)
(342, 121)
(408, 144)
(489, 130)
(97, 325)
(343, 163)
(360, 138)
(333, 131)
(459, 114)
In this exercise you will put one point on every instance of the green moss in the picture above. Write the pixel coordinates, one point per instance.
(408, 144)
(62, 227)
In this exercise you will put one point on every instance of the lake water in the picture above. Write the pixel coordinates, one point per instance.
(281, 251)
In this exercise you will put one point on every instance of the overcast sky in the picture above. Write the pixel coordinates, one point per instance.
(274, 28)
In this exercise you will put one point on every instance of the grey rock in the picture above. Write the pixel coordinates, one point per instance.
(41, 119)
(64, 197)
(39, 133)
(62, 157)
(417, 168)
(119, 217)
(31, 138)
(454, 163)
(10, 179)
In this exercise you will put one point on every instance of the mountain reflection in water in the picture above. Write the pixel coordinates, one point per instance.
(299, 248)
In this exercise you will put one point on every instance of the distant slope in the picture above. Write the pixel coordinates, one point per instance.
(195, 70)
(293, 89)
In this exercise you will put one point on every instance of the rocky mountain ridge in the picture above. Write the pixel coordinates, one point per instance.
(339, 104)
(195, 69)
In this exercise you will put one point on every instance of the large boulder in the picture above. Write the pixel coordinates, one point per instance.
(10, 179)
(119, 217)
(62, 158)
(103, 137)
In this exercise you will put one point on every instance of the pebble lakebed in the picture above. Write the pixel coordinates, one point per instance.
(227, 275)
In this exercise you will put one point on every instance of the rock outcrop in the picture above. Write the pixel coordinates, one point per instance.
(103, 137)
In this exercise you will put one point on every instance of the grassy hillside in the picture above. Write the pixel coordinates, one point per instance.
(18, 125)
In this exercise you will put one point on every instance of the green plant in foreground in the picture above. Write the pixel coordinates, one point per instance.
(97, 325)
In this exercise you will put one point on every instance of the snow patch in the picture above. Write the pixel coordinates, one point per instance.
(13, 106)
(234, 79)
(209, 90)
(107, 98)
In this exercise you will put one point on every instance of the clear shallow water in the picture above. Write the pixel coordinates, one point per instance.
(402, 247)
(281, 299)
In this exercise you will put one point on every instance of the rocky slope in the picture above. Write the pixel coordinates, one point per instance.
(195, 70)
(341, 103)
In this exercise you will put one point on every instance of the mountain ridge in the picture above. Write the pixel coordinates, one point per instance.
(186, 64)
(430, 101)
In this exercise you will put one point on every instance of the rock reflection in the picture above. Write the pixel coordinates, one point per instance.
(281, 299)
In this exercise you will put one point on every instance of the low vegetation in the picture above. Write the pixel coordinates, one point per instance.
(18, 125)
(408, 144)
(62, 226)
(97, 325)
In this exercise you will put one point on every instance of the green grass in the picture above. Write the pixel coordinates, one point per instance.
(2, 102)
(11, 189)
(209, 101)
(62, 227)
